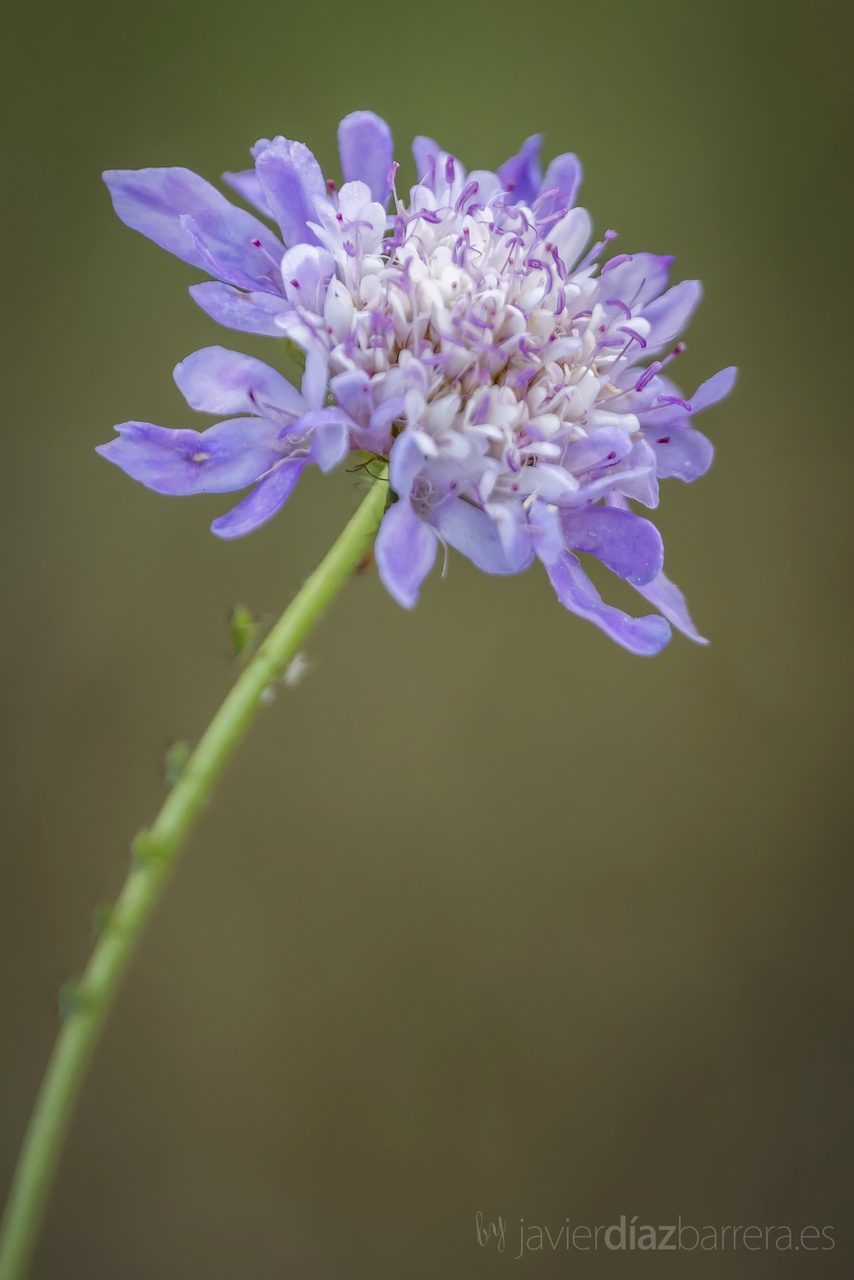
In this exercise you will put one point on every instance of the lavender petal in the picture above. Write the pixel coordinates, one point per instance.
(331, 442)
(570, 235)
(714, 389)
(266, 275)
(513, 530)
(638, 279)
(216, 380)
(314, 379)
(668, 314)
(306, 272)
(291, 181)
(602, 446)
(426, 153)
(564, 175)
(248, 312)
(630, 546)
(228, 456)
(684, 453)
(405, 461)
(266, 500)
(644, 636)
(521, 175)
(471, 531)
(366, 148)
(405, 552)
(153, 201)
(670, 601)
(638, 479)
(246, 184)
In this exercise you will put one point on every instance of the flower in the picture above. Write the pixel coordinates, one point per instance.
(516, 387)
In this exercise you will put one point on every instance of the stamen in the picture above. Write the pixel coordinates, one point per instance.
(624, 328)
(546, 195)
(648, 375)
(616, 261)
(616, 302)
(677, 351)
(266, 253)
(467, 192)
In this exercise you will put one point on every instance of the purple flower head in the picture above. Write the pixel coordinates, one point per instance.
(515, 386)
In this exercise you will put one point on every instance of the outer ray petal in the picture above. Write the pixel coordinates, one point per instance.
(153, 201)
(670, 601)
(564, 176)
(714, 389)
(246, 184)
(644, 636)
(521, 175)
(630, 546)
(248, 312)
(367, 150)
(228, 456)
(216, 380)
(668, 314)
(682, 452)
(266, 500)
(291, 182)
(470, 530)
(405, 552)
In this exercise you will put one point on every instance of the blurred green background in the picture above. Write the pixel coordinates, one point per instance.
(488, 915)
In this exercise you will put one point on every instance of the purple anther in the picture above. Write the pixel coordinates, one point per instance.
(617, 302)
(624, 328)
(397, 238)
(465, 195)
(616, 261)
(547, 195)
(450, 169)
(648, 374)
(543, 224)
(674, 400)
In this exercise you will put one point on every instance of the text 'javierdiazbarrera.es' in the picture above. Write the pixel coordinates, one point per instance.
(631, 1233)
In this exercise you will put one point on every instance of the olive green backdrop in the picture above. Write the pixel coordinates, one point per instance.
(488, 915)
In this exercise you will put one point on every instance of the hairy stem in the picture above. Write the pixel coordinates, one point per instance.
(154, 854)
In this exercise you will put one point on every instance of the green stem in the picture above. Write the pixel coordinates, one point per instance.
(155, 852)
